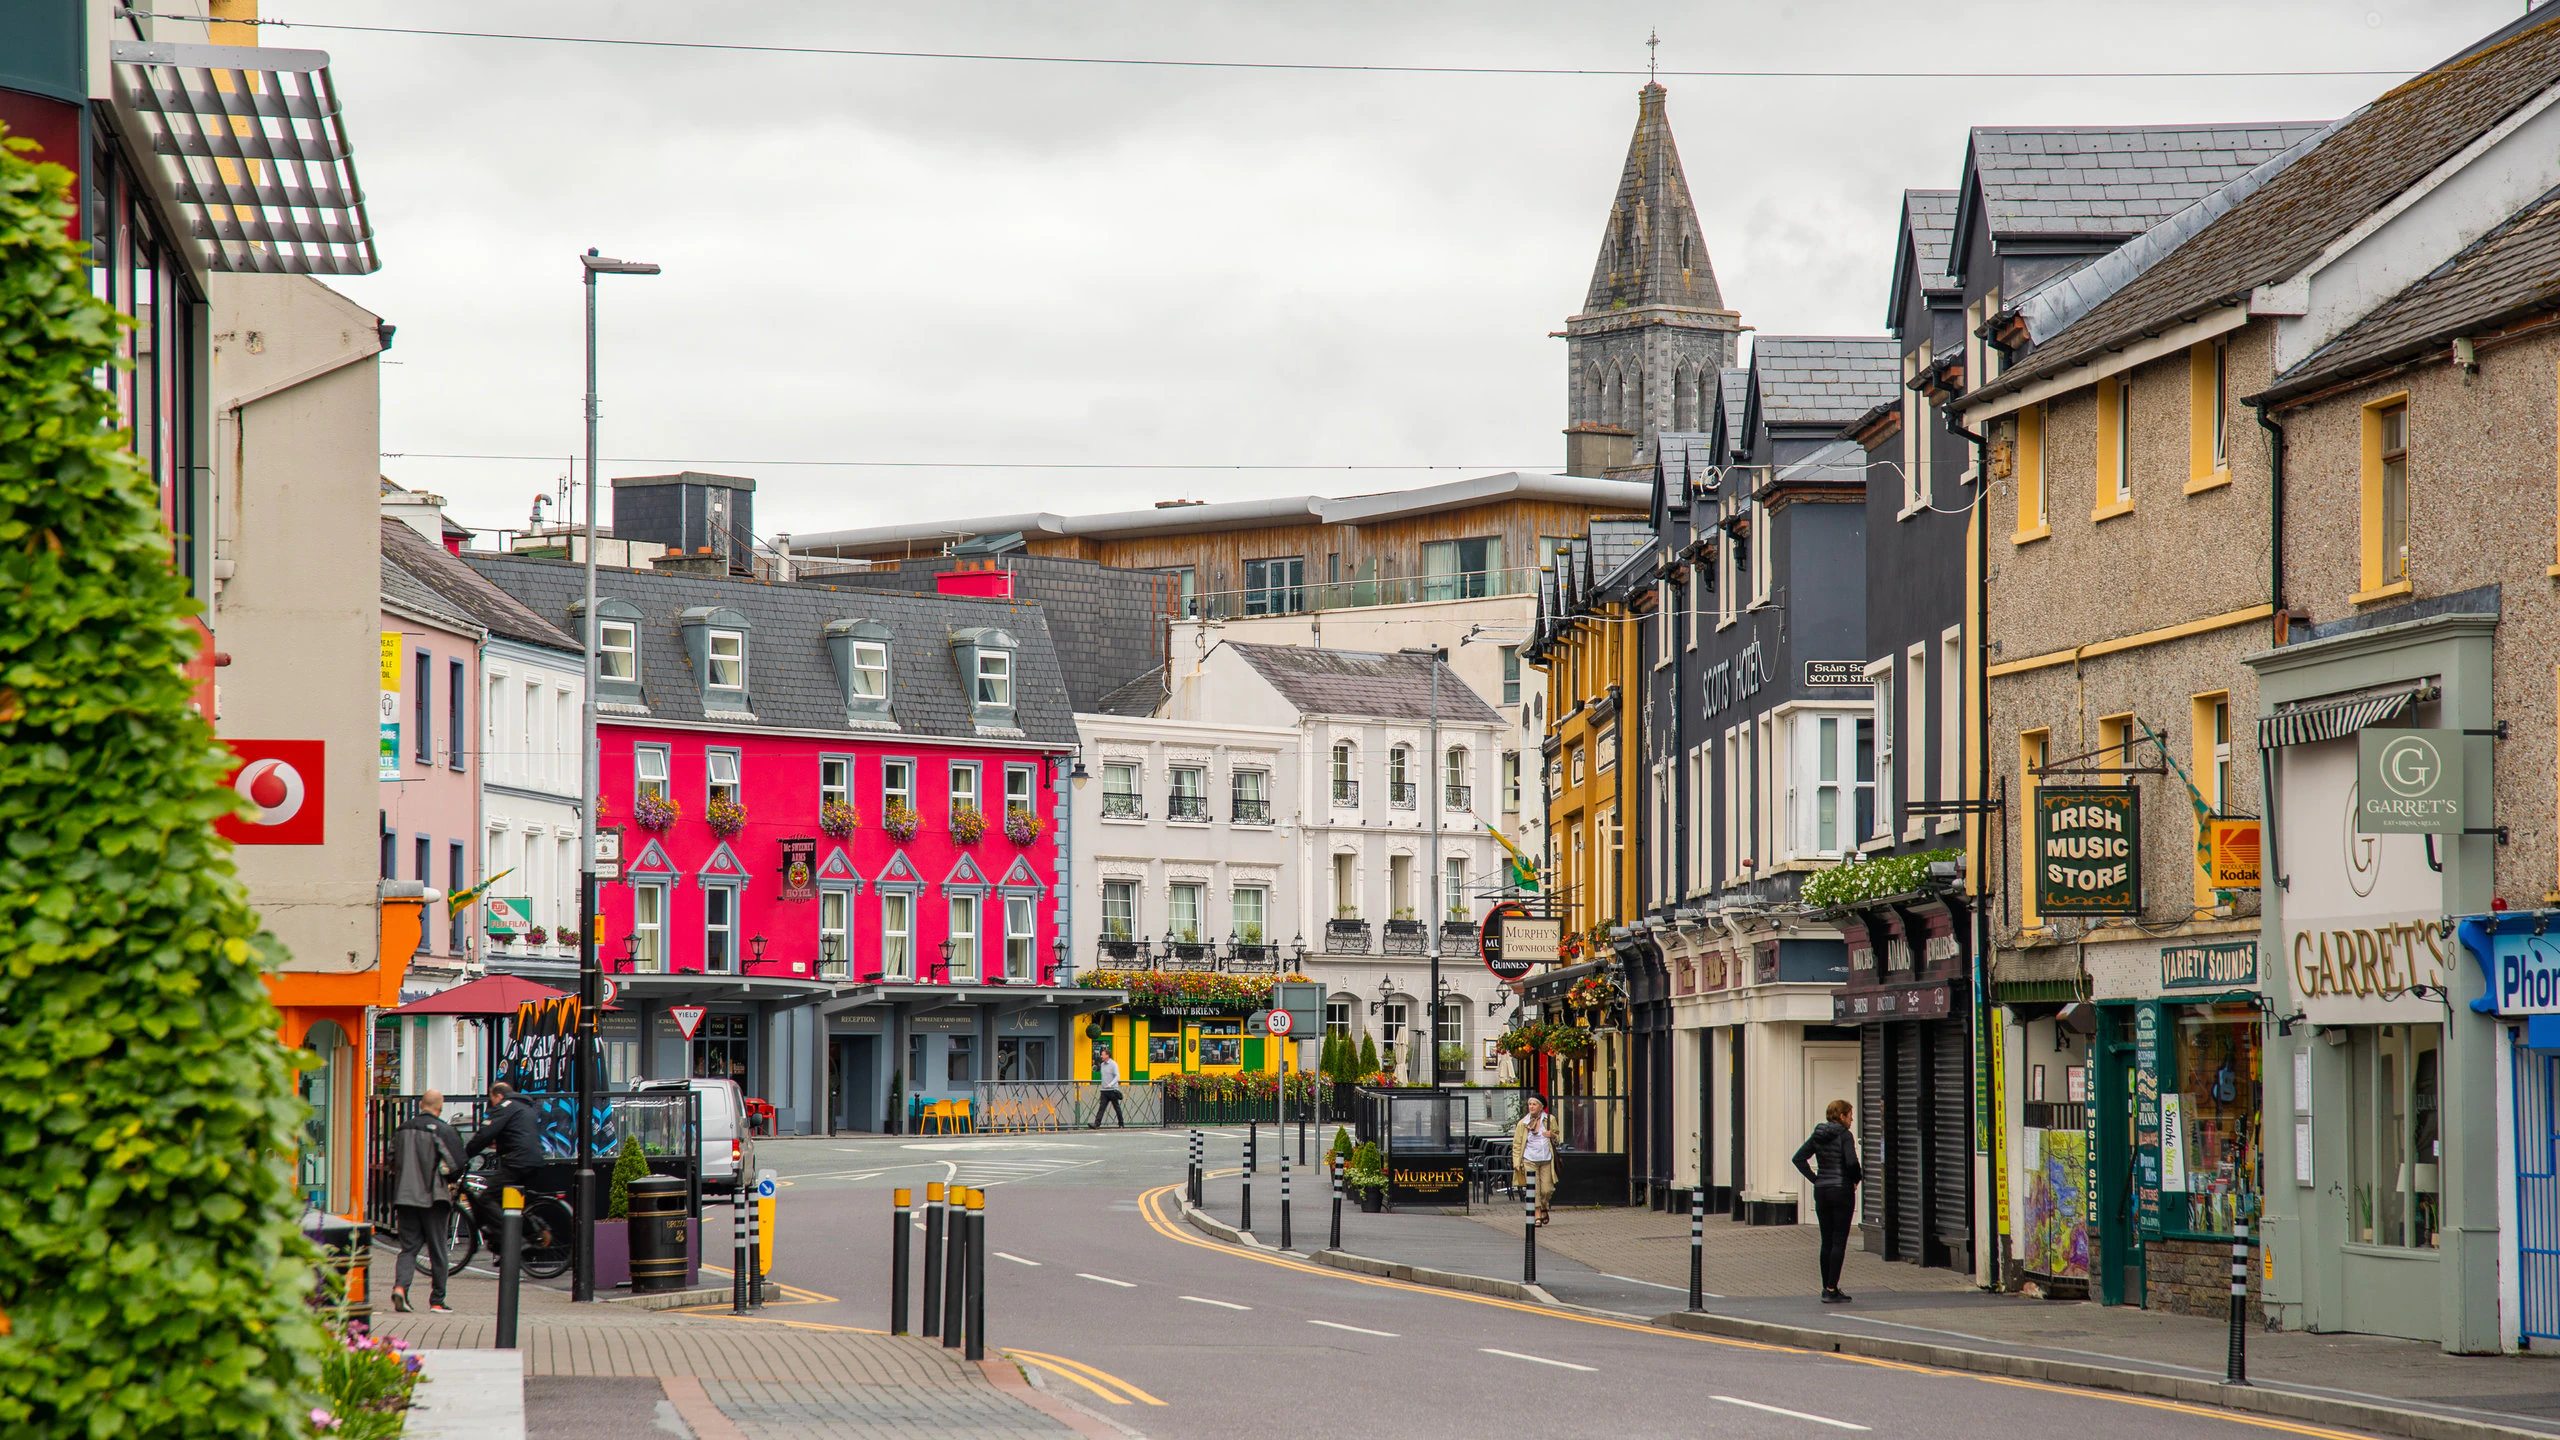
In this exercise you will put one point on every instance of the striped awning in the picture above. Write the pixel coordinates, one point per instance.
(2337, 719)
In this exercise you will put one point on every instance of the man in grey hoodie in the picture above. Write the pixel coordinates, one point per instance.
(1835, 1173)
(426, 1157)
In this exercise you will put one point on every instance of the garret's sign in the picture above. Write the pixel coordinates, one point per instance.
(2409, 782)
(2373, 962)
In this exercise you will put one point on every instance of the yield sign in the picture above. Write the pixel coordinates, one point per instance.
(688, 1018)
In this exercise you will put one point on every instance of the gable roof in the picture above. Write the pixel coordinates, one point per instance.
(1641, 251)
(463, 590)
(1822, 379)
(2102, 183)
(2280, 228)
(791, 680)
(405, 590)
(2512, 270)
(1363, 683)
(1928, 233)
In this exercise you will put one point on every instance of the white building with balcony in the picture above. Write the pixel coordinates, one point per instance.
(1393, 776)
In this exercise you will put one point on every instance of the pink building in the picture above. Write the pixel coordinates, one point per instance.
(430, 782)
(793, 770)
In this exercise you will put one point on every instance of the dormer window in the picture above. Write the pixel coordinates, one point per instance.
(870, 670)
(995, 679)
(983, 656)
(860, 652)
(728, 660)
(617, 650)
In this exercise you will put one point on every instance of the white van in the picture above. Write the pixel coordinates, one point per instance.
(728, 1141)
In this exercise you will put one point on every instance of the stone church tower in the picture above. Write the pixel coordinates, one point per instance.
(1642, 357)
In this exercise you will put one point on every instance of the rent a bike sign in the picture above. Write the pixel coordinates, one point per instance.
(2089, 850)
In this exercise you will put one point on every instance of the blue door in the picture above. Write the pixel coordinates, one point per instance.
(2538, 1189)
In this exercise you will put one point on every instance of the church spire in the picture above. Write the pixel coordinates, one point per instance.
(1653, 252)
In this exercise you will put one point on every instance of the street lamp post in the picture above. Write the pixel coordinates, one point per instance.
(590, 974)
(1439, 911)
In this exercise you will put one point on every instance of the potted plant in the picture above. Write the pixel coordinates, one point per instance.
(656, 810)
(537, 936)
(968, 823)
(726, 817)
(1368, 1177)
(1020, 825)
(839, 819)
(900, 820)
(613, 1231)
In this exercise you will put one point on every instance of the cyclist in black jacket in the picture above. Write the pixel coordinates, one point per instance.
(1835, 1173)
(513, 1132)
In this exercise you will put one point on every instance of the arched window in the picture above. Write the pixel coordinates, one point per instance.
(1400, 777)
(1609, 385)
(1683, 418)
(1459, 795)
(1635, 401)
(1346, 782)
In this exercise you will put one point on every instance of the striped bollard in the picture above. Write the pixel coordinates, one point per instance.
(2236, 1369)
(1284, 1193)
(1529, 1229)
(1337, 1204)
(741, 1260)
(1697, 1250)
(755, 1250)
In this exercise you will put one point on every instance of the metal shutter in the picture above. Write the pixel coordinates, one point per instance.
(1871, 1123)
(1951, 1150)
(1905, 1147)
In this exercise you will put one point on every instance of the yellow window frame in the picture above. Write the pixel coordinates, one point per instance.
(2033, 746)
(2028, 466)
(2370, 585)
(2208, 376)
(2113, 449)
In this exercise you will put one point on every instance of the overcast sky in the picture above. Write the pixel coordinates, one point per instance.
(933, 260)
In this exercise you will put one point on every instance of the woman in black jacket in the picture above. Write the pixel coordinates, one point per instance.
(1835, 1174)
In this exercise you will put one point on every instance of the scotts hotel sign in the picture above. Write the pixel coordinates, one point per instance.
(2089, 850)
(2409, 782)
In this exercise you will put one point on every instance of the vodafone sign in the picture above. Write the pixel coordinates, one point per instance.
(288, 782)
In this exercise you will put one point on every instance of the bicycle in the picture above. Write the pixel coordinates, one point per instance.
(547, 1241)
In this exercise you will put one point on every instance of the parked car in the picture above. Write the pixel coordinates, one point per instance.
(728, 1141)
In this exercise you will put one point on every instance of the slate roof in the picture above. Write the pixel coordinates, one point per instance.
(1822, 380)
(1639, 260)
(2512, 269)
(1928, 231)
(791, 682)
(1682, 461)
(1733, 386)
(1358, 682)
(1841, 461)
(2107, 182)
(1136, 700)
(464, 590)
(2283, 226)
(403, 589)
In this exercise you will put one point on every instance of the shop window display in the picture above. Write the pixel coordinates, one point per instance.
(2395, 1147)
(2217, 1095)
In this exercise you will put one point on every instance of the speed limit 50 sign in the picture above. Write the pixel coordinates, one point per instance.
(1278, 1021)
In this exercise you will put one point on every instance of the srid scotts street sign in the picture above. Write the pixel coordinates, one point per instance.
(2409, 782)
(2089, 850)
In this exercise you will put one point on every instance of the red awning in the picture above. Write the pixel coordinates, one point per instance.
(488, 995)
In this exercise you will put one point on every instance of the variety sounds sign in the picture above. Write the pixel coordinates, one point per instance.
(2089, 850)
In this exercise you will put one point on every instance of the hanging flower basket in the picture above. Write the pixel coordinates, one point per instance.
(1021, 826)
(900, 820)
(968, 824)
(726, 817)
(655, 811)
(837, 818)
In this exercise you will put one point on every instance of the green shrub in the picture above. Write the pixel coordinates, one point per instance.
(151, 1271)
(1848, 883)
(1341, 1142)
(630, 1165)
(1368, 1056)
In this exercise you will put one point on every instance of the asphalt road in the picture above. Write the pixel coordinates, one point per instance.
(1094, 1279)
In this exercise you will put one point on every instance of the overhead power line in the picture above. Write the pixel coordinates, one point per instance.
(1299, 66)
(935, 464)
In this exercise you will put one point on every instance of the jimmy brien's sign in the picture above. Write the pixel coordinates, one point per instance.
(2089, 850)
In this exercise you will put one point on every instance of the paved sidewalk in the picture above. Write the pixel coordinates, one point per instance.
(728, 1378)
(1633, 1260)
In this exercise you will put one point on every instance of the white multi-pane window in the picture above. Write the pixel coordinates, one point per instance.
(1245, 911)
(719, 929)
(1950, 719)
(995, 678)
(1019, 933)
(723, 769)
(870, 670)
(1119, 909)
(649, 767)
(898, 782)
(964, 938)
(964, 785)
(835, 781)
(618, 650)
(527, 760)
(1018, 780)
(648, 928)
(1835, 782)
(1882, 681)
(1453, 888)
(835, 943)
(2122, 440)
(1664, 644)
(1915, 719)
(1182, 911)
(728, 660)
(897, 935)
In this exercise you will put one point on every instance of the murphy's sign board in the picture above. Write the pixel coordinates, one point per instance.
(2089, 850)
(2409, 782)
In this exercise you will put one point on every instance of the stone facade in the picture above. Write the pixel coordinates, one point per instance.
(2193, 1277)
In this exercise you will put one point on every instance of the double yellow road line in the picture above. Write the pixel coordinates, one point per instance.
(1152, 1207)
(1109, 1386)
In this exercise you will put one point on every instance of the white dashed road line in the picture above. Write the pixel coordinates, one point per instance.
(1016, 1259)
(1790, 1414)
(1107, 1280)
(1543, 1360)
(1355, 1329)
(1221, 1304)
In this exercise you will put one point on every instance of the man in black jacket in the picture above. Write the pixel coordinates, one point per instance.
(512, 1132)
(1835, 1173)
(426, 1157)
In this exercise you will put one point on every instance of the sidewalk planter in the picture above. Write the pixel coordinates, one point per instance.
(613, 1253)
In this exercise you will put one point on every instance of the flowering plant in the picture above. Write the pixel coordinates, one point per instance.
(968, 823)
(1570, 949)
(537, 936)
(365, 1384)
(655, 810)
(1593, 990)
(1020, 825)
(1151, 989)
(727, 816)
(838, 819)
(900, 820)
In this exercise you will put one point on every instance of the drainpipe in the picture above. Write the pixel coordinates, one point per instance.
(1982, 710)
(2275, 523)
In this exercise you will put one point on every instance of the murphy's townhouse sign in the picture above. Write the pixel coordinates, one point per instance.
(2089, 850)
(2409, 782)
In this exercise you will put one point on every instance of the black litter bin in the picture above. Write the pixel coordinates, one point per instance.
(658, 1234)
(346, 1264)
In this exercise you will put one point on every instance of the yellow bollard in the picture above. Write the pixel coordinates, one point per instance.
(764, 1236)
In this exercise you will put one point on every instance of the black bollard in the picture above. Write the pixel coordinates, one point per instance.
(1697, 1250)
(755, 1251)
(1529, 1230)
(933, 1212)
(955, 1273)
(1284, 1192)
(1337, 1204)
(510, 1262)
(1302, 1137)
(977, 1346)
(1191, 1180)
(738, 1261)
(1252, 1146)
(898, 1263)
(2235, 1370)
(1246, 1222)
